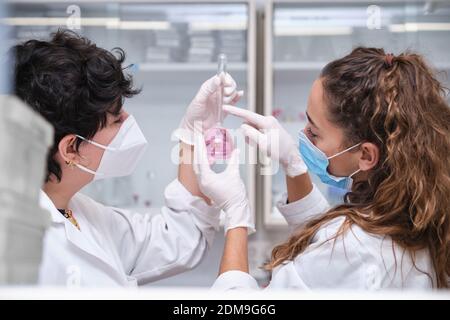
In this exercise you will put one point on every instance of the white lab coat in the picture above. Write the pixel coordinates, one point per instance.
(116, 247)
(358, 260)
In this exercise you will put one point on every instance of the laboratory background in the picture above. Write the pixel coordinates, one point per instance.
(275, 50)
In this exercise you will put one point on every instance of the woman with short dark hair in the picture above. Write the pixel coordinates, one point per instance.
(81, 89)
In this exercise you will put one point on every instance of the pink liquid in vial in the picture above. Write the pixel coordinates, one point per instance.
(219, 144)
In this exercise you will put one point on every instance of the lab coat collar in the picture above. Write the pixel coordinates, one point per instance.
(46, 203)
(74, 235)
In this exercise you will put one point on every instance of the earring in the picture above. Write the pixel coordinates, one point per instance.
(70, 164)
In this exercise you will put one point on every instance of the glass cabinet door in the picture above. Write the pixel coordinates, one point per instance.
(303, 36)
(171, 49)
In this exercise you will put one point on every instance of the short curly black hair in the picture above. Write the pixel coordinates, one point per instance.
(72, 83)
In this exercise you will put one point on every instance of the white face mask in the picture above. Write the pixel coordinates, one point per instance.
(122, 155)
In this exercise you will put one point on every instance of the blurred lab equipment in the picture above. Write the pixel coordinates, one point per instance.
(24, 139)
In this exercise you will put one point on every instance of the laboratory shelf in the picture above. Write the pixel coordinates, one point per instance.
(190, 67)
(295, 66)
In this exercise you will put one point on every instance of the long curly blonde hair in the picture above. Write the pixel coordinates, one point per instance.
(400, 106)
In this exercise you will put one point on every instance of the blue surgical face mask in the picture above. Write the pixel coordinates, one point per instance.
(317, 162)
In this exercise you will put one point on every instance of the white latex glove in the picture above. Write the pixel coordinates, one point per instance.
(202, 113)
(271, 138)
(226, 189)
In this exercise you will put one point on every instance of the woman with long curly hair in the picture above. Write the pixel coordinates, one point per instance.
(379, 126)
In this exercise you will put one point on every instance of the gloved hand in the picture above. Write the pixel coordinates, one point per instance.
(226, 189)
(272, 139)
(202, 112)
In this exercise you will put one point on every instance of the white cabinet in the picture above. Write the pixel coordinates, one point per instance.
(302, 36)
(173, 47)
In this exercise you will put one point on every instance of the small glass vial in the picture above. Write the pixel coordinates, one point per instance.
(219, 142)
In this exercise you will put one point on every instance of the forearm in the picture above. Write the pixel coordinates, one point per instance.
(235, 254)
(186, 174)
(298, 187)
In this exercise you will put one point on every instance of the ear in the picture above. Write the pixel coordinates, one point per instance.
(369, 157)
(66, 148)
